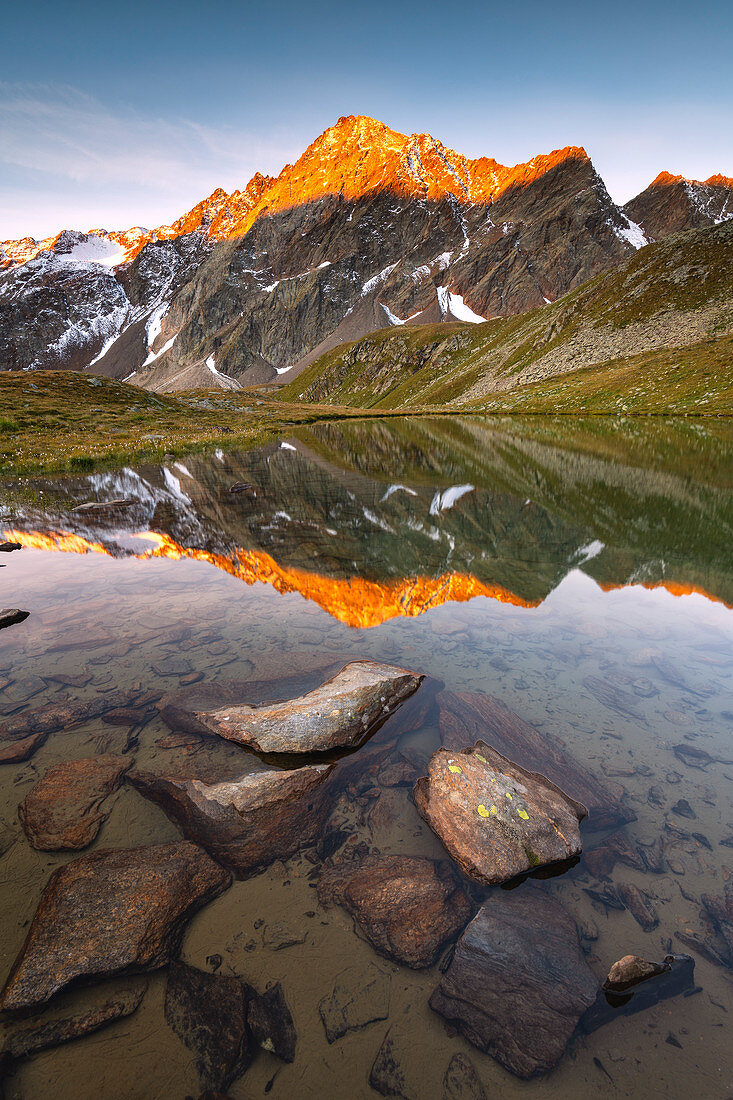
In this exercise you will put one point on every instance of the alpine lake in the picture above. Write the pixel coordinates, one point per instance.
(577, 574)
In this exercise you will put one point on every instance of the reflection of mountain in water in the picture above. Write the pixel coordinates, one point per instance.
(377, 519)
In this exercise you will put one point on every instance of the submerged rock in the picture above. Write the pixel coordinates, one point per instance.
(271, 1023)
(388, 1075)
(720, 912)
(616, 848)
(638, 905)
(21, 1039)
(63, 809)
(634, 985)
(518, 982)
(461, 1081)
(466, 717)
(111, 912)
(341, 713)
(8, 547)
(407, 907)
(359, 997)
(495, 819)
(208, 1013)
(249, 822)
(21, 735)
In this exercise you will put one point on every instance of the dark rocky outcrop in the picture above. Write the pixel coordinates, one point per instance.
(249, 822)
(111, 912)
(495, 819)
(63, 809)
(672, 204)
(208, 1013)
(408, 908)
(466, 717)
(518, 982)
(341, 713)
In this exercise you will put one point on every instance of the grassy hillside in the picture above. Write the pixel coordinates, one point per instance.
(654, 335)
(65, 420)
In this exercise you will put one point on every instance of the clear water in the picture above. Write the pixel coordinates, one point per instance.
(514, 558)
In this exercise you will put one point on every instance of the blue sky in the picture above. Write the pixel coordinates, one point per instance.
(129, 113)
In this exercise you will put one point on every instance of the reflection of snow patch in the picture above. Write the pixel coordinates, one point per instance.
(174, 486)
(183, 469)
(287, 447)
(586, 553)
(397, 489)
(443, 501)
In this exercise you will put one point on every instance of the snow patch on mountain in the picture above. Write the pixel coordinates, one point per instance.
(632, 233)
(454, 304)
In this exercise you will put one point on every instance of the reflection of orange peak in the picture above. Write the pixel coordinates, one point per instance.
(673, 587)
(354, 601)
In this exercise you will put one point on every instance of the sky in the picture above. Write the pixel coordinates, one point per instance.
(113, 115)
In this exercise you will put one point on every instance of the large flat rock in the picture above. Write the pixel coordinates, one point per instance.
(467, 717)
(407, 907)
(63, 810)
(341, 713)
(111, 912)
(249, 822)
(518, 982)
(495, 819)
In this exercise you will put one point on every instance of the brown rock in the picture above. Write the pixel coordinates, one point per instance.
(408, 908)
(466, 717)
(208, 1013)
(249, 822)
(495, 819)
(63, 809)
(341, 713)
(630, 970)
(720, 912)
(111, 912)
(518, 982)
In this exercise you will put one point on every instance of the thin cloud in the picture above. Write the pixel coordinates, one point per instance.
(70, 142)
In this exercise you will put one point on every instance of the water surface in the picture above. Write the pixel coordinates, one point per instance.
(514, 558)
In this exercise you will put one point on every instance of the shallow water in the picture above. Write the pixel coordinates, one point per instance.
(509, 558)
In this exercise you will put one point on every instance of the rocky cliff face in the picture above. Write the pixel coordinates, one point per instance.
(369, 228)
(671, 204)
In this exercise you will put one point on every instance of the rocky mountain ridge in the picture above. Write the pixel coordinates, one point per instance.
(368, 228)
